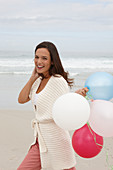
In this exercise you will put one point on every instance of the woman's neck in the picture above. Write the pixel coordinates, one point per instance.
(45, 76)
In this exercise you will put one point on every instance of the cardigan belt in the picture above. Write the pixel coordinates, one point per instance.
(37, 133)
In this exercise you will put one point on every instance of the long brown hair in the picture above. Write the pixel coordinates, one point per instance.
(56, 66)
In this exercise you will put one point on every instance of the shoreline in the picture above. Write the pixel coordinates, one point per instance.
(17, 135)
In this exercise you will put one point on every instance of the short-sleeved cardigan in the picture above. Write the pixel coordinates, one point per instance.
(56, 150)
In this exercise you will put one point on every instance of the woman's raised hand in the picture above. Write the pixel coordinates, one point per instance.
(82, 91)
(34, 74)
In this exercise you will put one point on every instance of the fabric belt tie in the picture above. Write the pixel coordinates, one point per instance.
(37, 133)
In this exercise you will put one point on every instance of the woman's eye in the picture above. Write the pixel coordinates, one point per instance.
(36, 57)
(45, 58)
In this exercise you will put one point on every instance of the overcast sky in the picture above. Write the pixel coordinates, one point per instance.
(73, 25)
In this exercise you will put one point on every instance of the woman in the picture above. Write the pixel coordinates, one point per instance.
(52, 149)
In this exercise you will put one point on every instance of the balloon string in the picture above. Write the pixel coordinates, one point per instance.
(107, 157)
(89, 96)
(93, 135)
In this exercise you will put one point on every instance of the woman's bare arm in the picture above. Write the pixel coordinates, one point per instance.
(24, 94)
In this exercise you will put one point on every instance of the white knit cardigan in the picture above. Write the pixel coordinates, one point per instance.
(56, 150)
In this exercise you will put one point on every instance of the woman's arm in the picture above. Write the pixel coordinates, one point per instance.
(24, 94)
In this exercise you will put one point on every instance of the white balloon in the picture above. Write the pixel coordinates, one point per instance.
(101, 117)
(71, 111)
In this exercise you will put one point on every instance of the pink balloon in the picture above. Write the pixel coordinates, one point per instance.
(101, 117)
(86, 143)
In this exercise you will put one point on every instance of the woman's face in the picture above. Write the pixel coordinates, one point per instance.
(42, 61)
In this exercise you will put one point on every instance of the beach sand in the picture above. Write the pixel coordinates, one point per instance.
(16, 135)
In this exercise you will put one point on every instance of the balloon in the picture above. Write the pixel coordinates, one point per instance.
(100, 85)
(101, 117)
(86, 142)
(71, 111)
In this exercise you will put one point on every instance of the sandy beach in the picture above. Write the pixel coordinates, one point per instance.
(17, 135)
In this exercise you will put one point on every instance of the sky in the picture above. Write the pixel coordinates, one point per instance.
(82, 26)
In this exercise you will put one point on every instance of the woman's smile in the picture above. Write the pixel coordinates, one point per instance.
(40, 67)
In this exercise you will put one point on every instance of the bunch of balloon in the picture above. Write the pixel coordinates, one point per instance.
(71, 111)
(100, 85)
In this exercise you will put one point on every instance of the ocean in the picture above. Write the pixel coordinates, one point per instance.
(22, 63)
(16, 68)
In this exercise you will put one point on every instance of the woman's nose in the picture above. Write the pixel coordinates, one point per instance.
(39, 60)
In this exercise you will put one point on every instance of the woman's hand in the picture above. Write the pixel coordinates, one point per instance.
(82, 91)
(34, 74)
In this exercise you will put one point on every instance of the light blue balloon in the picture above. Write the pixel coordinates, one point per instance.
(100, 85)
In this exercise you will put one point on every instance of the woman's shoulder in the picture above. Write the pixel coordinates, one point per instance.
(59, 81)
(59, 78)
(59, 84)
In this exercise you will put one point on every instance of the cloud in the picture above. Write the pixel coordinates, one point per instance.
(105, 1)
(52, 16)
(56, 16)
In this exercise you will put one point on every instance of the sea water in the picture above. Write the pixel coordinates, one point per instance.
(23, 62)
